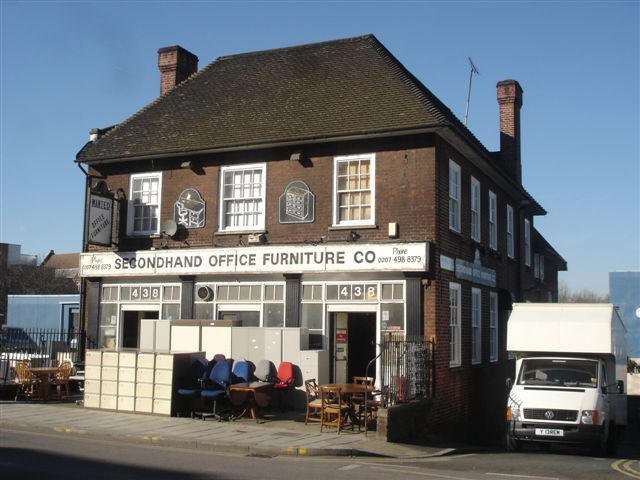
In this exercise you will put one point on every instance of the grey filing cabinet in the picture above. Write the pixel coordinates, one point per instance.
(92, 378)
(127, 380)
(145, 372)
(109, 380)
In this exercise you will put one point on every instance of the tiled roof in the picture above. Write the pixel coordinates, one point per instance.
(332, 89)
(62, 260)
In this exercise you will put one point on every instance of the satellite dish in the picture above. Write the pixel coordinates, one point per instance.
(169, 227)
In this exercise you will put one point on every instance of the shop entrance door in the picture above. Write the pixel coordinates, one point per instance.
(131, 326)
(353, 336)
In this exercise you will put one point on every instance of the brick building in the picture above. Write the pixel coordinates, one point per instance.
(321, 186)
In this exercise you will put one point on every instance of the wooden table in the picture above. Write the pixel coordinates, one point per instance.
(254, 394)
(44, 374)
(349, 390)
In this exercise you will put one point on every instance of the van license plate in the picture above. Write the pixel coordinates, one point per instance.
(550, 432)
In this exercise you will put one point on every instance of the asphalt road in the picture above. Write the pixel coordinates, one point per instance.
(25, 455)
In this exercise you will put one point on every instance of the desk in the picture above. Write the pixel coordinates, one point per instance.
(255, 394)
(43, 374)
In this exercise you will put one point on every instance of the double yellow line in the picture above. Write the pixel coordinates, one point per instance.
(624, 466)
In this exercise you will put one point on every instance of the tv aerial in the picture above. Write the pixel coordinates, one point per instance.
(473, 69)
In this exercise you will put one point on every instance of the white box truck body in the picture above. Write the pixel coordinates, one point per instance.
(571, 364)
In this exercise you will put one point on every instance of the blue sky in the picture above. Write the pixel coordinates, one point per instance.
(68, 67)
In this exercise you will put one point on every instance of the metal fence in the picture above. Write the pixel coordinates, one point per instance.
(42, 347)
(407, 368)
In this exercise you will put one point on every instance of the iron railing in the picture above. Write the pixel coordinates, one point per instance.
(407, 368)
(42, 347)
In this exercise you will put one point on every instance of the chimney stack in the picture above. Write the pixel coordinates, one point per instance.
(510, 101)
(176, 65)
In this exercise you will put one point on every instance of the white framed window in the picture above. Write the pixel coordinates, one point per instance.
(493, 221)
(527, 242)
(455, 329)
(510, 244)
(542, 267)
(493, 326)
(476, 325)
(536, 265)
(475, 209)
(242, 197)
(354, 184)
(454, 196)
(145, 194)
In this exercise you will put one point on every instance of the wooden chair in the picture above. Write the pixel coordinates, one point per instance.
(28, 384)
(333, 408)
(358, 399)
(314, 402)
(61, 378)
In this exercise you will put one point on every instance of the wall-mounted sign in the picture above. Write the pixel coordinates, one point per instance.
(189, 209)
(384, 257)
(297, 204)
(100, 219)
(471, 271)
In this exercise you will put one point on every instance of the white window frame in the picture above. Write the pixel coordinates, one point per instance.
(493, 221)
(372, 188)
(527, 242)
(454, 197)
(455, 326)
(131, 208)
(510, 236)
(476, 325)
(261, 220)
(476, 208)
(493, 326)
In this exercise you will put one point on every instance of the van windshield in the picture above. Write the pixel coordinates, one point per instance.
(559, 373)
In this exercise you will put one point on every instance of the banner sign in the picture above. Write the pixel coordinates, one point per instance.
(100, 219)
(386, 257)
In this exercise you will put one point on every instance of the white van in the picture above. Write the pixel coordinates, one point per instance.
(570, 369)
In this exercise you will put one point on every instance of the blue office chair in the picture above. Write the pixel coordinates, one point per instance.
(215, 388)
(241, 372)
(192, 383)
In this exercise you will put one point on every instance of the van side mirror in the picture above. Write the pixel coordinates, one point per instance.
(508, 382)
(620, 384)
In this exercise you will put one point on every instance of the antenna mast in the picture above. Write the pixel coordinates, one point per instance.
(472, 70)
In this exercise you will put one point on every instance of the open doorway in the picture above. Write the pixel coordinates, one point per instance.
(352, 339)
(131, 326)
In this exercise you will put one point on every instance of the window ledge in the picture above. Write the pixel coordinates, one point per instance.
(239, 232)
(353, 227)
(143, 235)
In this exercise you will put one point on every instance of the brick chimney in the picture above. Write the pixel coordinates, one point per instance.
(510, 101)
(176, 65)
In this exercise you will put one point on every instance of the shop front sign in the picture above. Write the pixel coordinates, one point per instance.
(392, 257)
(471, 271)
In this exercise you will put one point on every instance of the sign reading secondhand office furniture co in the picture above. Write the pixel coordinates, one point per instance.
(100, 218)
(404, 257)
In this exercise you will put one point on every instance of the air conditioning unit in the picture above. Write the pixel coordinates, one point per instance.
(204, 294)
(256, 238)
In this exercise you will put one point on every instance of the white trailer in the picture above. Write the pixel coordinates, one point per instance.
(571, 367)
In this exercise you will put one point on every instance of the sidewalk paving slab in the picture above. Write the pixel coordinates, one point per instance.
(242, 437)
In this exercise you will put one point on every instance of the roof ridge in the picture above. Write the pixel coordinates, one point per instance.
(367, 36)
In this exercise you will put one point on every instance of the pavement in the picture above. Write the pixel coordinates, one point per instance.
(280, 435)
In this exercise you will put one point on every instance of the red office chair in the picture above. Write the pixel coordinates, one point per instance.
(284, 380)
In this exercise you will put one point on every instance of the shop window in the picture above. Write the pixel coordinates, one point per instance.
(203, 310)
(476, 325)
(171, 293)
(455, 319)
(246, 318)
(354, 187)
(108, 325)
(392, 317)
(234, 293)
(274, 315)
(312, 292)
(392, 291)
(242, 201)
(475, 209)
(493, 326)
(493, 221)
(510, 244)
(273, 292)
(109, 294)
(353, 292)
(144, 204)
(170, 311)
(454, 196)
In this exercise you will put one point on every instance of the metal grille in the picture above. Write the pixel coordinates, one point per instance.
(407, 368)
(558, 415)
(42, 347)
